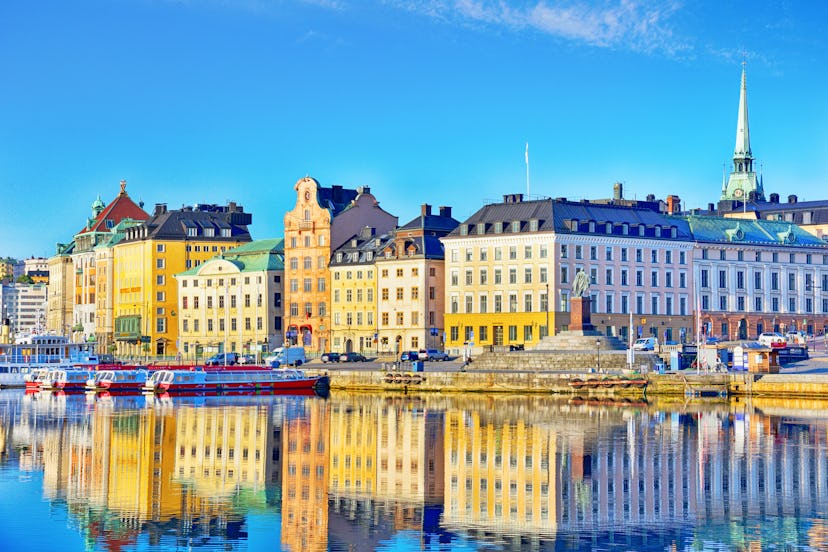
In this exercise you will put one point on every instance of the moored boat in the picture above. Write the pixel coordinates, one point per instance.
(125, 379)
(66, 380)
(233, 379)
(34, 379)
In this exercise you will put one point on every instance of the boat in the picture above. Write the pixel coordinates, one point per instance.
(34, 379)
(66, 380)
(125, 379)
(233, 379)
(32, 352)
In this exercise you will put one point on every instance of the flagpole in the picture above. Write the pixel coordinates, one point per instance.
(527, 170)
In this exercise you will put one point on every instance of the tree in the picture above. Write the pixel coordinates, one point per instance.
(25, 279)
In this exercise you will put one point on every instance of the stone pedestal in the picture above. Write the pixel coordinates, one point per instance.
(579, 316)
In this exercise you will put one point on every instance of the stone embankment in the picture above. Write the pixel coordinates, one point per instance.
(576, 374)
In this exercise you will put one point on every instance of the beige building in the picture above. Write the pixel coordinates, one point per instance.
(233, 302)
(322, 220)
(61, 291)
(411, 283)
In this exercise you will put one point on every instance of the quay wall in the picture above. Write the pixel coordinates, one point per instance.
(587, 384)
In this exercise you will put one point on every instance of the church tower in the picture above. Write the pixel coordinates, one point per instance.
(742, 185)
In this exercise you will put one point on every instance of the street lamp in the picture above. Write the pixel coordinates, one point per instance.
(598, 353)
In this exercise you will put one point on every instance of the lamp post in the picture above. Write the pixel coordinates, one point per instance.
(598, 353)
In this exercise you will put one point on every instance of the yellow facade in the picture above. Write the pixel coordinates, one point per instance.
(353, 308)
(60, 294)
(499, 475)
(496, 291)
(353, 446)
(307, 276)
(144, 287)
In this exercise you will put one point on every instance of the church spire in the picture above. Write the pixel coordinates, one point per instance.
(742, 149)
(742, 184)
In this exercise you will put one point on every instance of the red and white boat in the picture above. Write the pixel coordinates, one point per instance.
(233, 378)
(118, 380)
(35, 378)
(65, 380)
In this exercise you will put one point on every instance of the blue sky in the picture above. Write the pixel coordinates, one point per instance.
(430, 101)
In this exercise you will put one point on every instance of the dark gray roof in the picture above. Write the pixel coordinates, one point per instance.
(570, 217)
(362, 248)
(174, 225)
(335, 198)
(435, 223)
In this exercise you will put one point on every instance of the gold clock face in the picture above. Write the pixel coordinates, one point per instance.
(738, 192)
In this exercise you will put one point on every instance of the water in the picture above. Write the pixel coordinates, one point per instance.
(394, 472)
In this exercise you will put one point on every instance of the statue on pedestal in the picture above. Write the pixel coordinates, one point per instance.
(580, 284)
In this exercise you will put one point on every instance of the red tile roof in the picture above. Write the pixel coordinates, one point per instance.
(118, 209)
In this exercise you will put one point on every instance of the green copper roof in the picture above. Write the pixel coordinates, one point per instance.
(750, 231)
(255, 256)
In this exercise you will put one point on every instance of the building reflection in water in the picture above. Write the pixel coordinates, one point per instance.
(358, 470)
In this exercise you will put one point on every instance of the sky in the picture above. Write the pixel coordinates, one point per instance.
(430, 101)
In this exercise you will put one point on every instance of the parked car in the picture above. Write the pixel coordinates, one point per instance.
(287, 356)
(773, 340)
(330, 357)
(223, 359)
(409, 355)
(432, 354)
(794, 338)
(352, 357)
(247, 359)
(645, 344)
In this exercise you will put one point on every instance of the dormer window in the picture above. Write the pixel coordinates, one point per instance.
(515, 226)
(369, 256)
(658, 231)
(481, 228)
(339, 257)
(625, 229)
(592, 226)
(608, 228)
(498, 227)
(464, 230)
(573, 225)
(533, 225)
(673, 232)
(641, 229)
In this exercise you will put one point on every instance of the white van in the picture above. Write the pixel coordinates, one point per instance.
(287, 356)
(645, 344)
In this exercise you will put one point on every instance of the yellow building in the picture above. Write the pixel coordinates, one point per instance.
(354, 290)
(60, 297)
(233, 302)
(146, 260)
(498, 265)
(322, 220)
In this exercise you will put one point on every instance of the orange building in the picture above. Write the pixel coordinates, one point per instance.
(322, 220)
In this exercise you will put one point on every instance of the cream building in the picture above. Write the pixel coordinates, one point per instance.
(233, 302)
(410, 283)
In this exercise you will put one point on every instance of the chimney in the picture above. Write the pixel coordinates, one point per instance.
(160, 209)
(673, 204)
(774, 198)
(363, 190)
(650, 197)
(617, 191)
(513, 198)
(425, 210)
(445, 211)
(711, 207)
(792, 198)
(231, 206)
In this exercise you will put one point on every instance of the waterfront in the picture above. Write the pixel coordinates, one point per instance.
(397, 472)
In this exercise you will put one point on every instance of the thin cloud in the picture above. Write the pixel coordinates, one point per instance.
(639, 25)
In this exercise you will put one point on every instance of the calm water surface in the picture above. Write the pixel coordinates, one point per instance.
(379, 472)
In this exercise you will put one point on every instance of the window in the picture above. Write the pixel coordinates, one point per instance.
(512, 275)
(623, 254)
(527, 275)
(498, 278)
(624, 274)
(483, 301)
(722, 279)
(543, 276)
(564, 275)
(608, 253)
(159, 263)
(564, 251)
(527, 302)
(484, 276)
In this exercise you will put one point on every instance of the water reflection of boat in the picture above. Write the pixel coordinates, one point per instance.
(230, 379)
